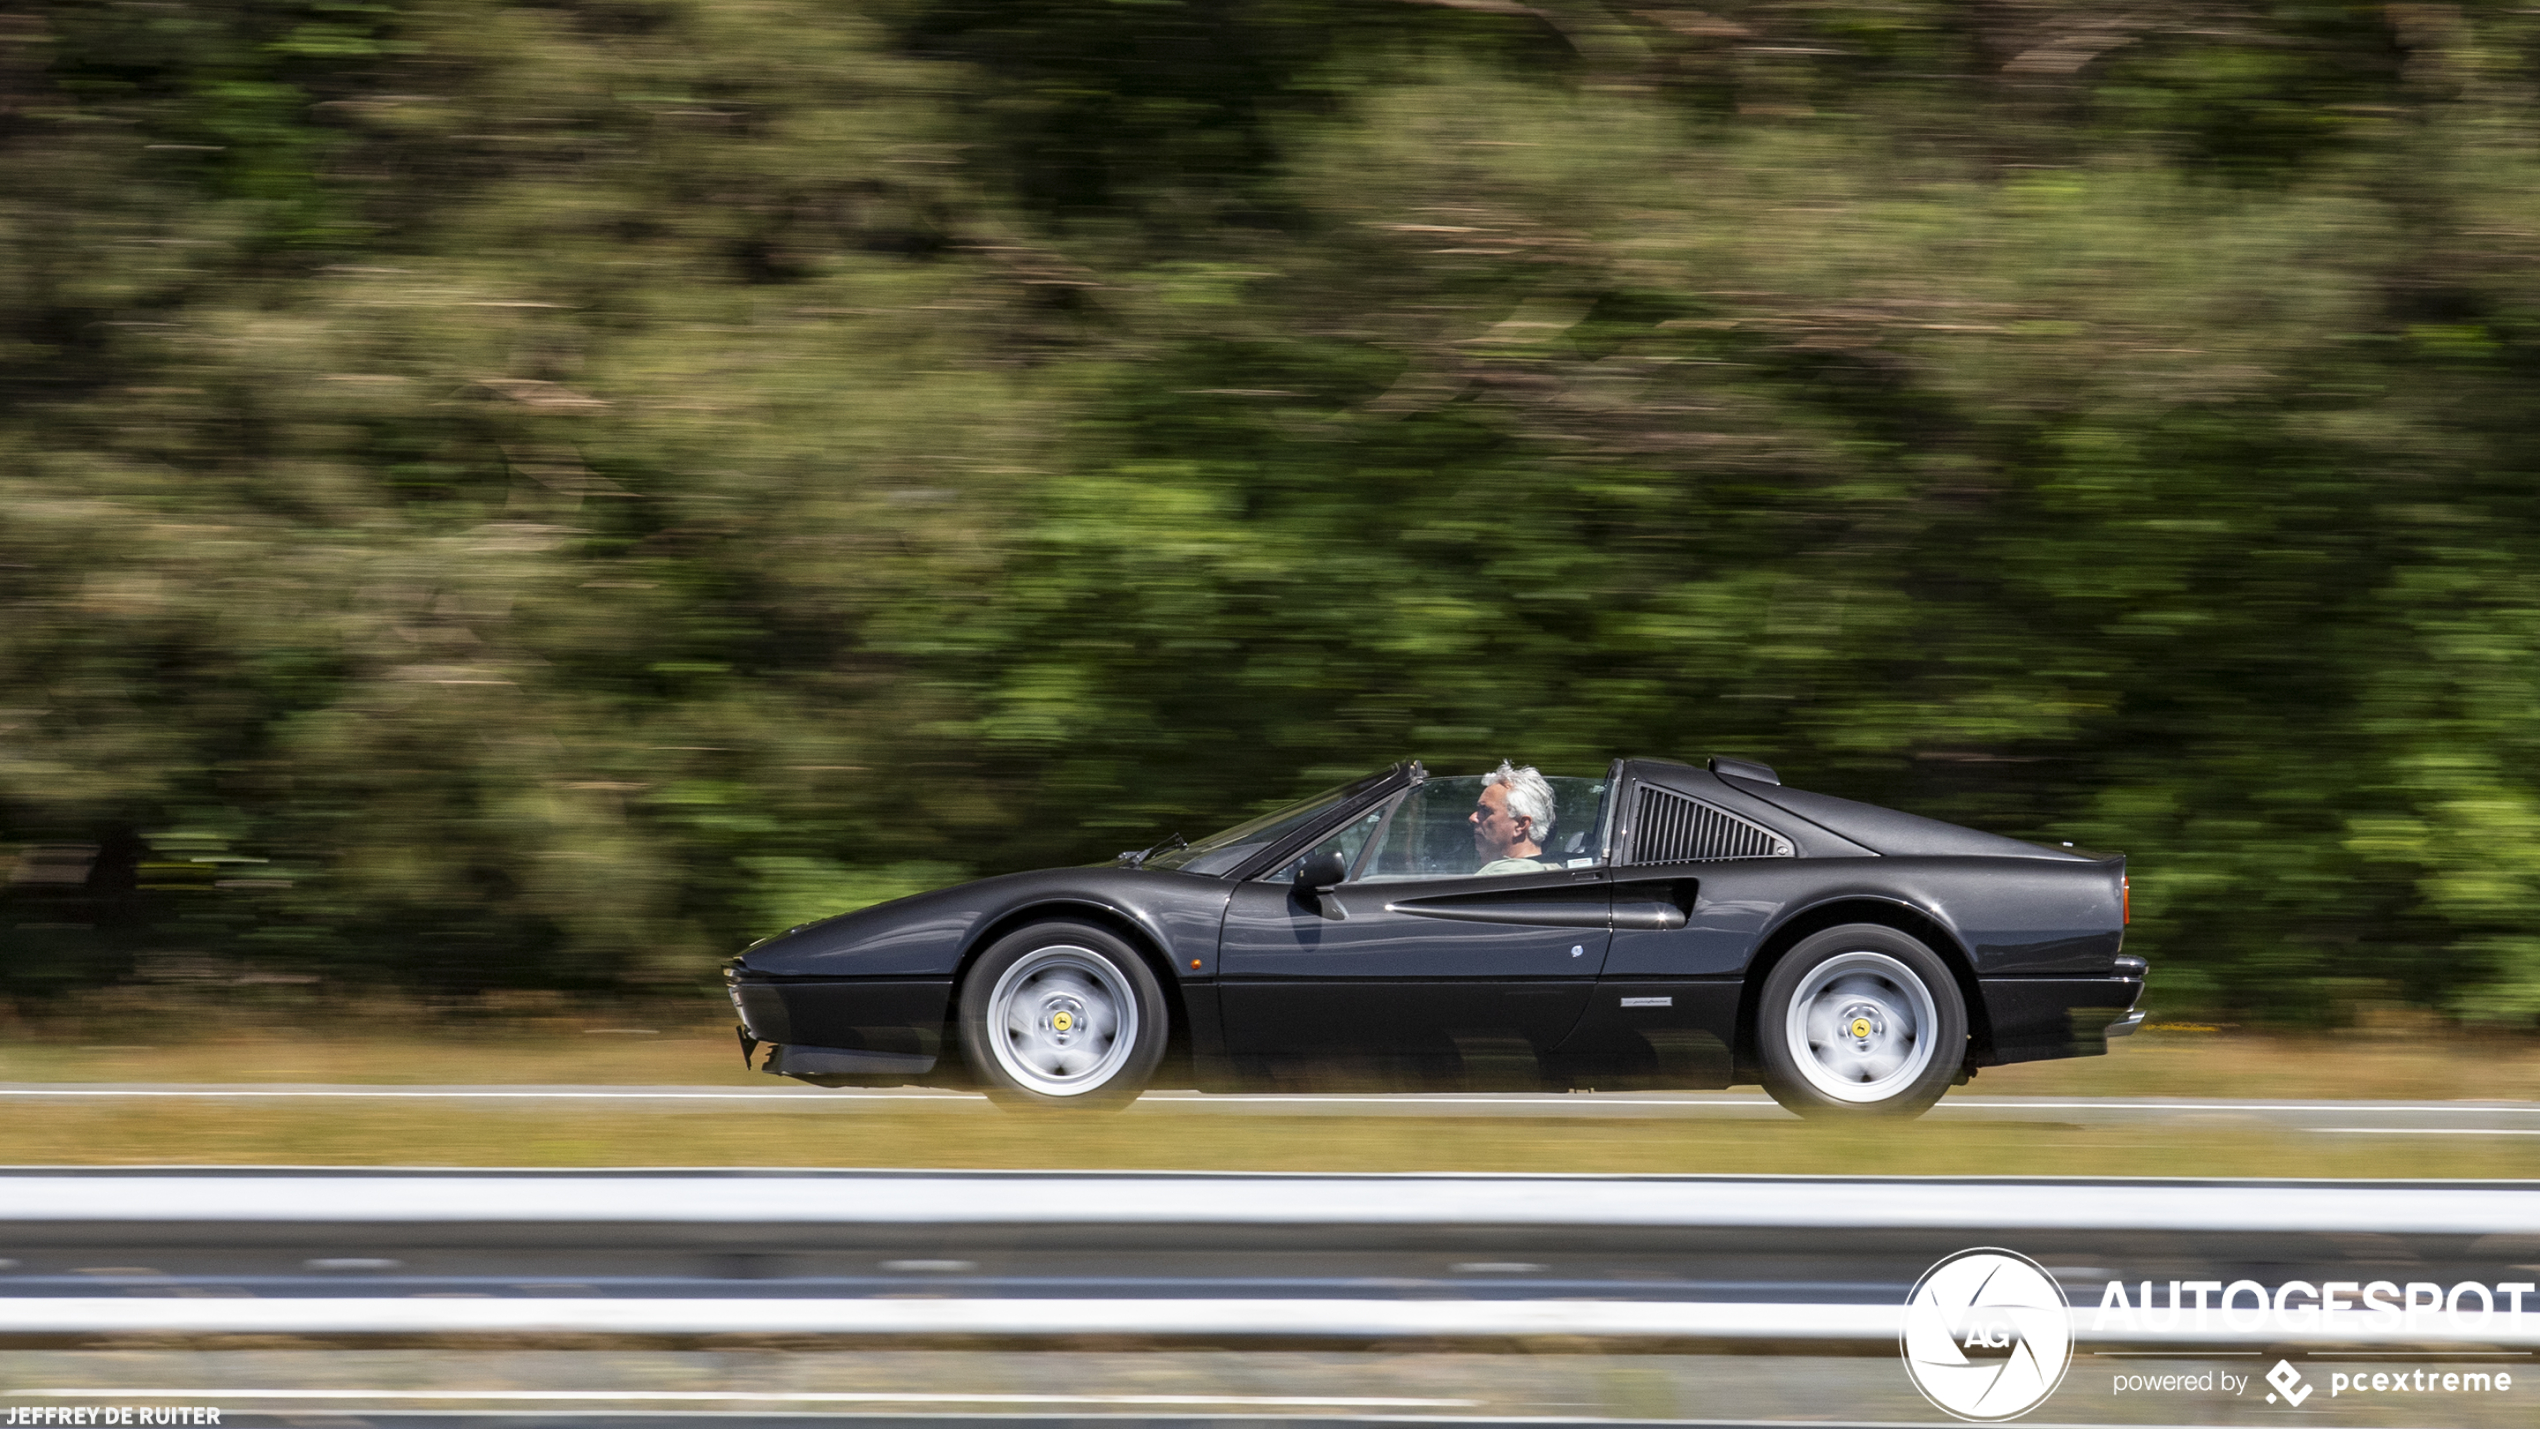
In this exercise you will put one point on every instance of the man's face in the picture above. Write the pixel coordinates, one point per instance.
(1495, 830)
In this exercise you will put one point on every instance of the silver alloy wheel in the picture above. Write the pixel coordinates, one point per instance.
(1860, 1027)
(1062, 1020)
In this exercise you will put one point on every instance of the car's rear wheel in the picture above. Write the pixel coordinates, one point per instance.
(1860, 1020)
(1062, 1014)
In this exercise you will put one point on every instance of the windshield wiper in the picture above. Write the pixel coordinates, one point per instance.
(1137, 857)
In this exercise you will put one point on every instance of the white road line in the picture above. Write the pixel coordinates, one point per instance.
(214, 1396)
(2193, 1104)
(2425, 1130)
(450, 1094)
(1762, 1103)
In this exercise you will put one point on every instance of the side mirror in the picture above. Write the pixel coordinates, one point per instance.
(1320, 872)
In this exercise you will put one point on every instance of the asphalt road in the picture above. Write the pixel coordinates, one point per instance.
(1220, 1258)
(2473, 1118)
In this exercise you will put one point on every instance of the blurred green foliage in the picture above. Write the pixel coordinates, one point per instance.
(578, 485)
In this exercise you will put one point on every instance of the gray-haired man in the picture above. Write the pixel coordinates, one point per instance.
(1512, 821)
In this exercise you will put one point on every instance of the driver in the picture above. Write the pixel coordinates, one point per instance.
(1512, 821)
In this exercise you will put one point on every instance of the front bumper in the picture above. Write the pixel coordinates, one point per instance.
(884, 1030)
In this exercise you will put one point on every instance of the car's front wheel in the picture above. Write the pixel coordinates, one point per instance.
(1861, 1020)
(1062, 1014)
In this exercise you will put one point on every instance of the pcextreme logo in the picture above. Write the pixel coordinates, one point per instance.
(2289, 1383)
(1987, 1335)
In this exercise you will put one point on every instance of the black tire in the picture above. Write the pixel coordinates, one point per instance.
(1860, 1021)
(1062, 1015)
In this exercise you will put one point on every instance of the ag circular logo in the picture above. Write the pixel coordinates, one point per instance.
(1987, 1335)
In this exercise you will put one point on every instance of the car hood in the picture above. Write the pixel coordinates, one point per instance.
(924, 935)
(901, 937)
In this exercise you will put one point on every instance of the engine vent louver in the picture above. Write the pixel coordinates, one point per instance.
(1671, 828)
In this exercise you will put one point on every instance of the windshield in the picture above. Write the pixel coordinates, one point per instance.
(1226, 848)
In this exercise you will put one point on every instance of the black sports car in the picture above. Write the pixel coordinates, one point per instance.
(1662, 927)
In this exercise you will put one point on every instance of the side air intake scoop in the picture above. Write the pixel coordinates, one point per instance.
(1744, 769)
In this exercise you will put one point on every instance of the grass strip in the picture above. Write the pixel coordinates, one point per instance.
(164, 1133)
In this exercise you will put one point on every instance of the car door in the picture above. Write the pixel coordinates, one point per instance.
(1695, 882)
(1413, 967)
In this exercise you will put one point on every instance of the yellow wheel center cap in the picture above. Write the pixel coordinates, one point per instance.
(1067, 1020)
(1861, 1027)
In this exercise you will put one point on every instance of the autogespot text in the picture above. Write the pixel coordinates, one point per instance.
(2372, 1307)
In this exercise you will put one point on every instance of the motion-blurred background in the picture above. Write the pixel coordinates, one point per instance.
(502, 496)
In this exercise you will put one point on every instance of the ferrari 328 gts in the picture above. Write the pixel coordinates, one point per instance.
(1667, 927)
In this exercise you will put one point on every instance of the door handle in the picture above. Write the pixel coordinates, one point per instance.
(1650, 917)
(1656, 905)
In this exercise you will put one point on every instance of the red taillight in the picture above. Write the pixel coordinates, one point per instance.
(2125, 897)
